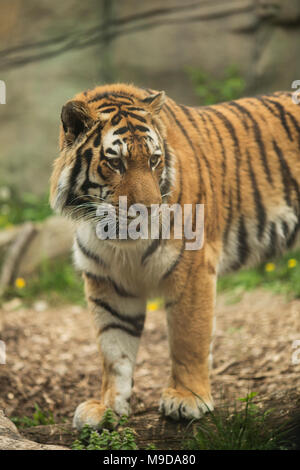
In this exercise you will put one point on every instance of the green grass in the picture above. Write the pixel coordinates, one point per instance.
(55, 282)
(241, 429)
(39, 417)
(16, 209)
(106, 438)
(281, 276)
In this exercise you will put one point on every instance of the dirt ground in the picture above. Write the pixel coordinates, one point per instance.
(52, 357)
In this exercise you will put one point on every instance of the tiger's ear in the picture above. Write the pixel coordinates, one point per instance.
(155, 102)
(76, 119)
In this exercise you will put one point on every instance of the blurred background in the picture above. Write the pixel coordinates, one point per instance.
(197, 51)
(200, 52)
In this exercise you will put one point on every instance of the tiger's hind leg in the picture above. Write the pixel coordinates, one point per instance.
(120, 323)
(190, 323)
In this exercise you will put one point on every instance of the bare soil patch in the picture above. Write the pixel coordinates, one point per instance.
(52, 356)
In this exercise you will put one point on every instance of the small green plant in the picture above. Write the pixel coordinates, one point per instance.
(39, 417)
(245, 429)
(106, 438)
(211, 90)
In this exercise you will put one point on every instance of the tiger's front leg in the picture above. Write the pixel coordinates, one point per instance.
(190, 323)
(119, 320)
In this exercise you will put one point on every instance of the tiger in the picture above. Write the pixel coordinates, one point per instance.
(239, 159)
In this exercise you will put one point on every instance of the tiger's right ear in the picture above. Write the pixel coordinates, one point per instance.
(76, 119)
(155, 102)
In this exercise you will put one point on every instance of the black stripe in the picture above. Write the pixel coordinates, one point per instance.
(116, 119)
(98, 138)
(295, 124)
(259, 207)
(287, 179)
(228, 220)
(119, 289)
(230, 105)
(175, 263)
(181, 127)
(237, 151)
(141, 128)
(204, 122)
(243, 249)
(282, 115)
(273, 241)
(165, 188)
(111, 151)
(197, 160)
(121, 130)
(76, 170)
(150, 250)
(99, 171)
(223, 149)
(113, 326)
(292, 237)
(106, 105)
(108, 110)
(89, 254)
(137, 117)
(258, 139)
(207, 164)
(100, 96)
(180, 183)
(135, 108)
(285, 228)
(87, 184)
(73, 178)
(137, 322)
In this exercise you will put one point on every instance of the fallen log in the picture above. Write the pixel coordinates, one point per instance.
(25, 247)
(14, 255)
(149, 426)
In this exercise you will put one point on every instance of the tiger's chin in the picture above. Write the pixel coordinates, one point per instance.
(123, 243)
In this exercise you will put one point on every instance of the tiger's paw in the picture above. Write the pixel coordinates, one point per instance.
(90, 412)
(183, 404)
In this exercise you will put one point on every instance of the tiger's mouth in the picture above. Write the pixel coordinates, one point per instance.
(87, 210)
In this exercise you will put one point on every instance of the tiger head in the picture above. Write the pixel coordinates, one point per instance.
(112, 144)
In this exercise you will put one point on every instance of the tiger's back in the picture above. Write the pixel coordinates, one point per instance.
(248, 169)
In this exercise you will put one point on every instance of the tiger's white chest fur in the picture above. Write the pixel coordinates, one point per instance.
(124, 262)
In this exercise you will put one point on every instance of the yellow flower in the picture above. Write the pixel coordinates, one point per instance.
(270, 267)
(20, 283)
(292, 263)
(153, 306)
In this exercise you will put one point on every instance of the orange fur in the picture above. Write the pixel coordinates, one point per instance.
(240, 159)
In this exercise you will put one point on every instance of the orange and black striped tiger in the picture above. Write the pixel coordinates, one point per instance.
(241, 159)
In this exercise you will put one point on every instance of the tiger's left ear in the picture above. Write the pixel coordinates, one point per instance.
(76, 119)
(155, 102)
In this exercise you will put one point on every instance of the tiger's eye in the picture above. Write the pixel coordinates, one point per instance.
(115, 162)
(154, 160)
